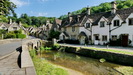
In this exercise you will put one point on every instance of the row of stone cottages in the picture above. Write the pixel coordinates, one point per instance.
(44, 30)
(100, 28)
(13, 26)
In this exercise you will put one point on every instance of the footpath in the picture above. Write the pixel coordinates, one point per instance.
(11, 63)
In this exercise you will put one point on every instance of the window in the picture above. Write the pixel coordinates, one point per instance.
(3, 27)
(89, 37)
(116, 22)
(102, 24)
(14, 28)
(73, 29)
(87, 25)
(104, 37)
(96, 37)
(114, 37)
(130, 21)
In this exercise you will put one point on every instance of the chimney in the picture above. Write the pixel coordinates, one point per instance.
(69, 16)
(47, 22)
(20, 23)
(10, 22)
(114, 7)
(79, 17)
(88, 10)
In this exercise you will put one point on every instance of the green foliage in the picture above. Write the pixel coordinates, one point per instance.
(7, 7)
(56, 46)
(3, 19)
(10, 35)
(103, 7)
(102, 60)
(54, 34)
(22, 36)
(26, 25)
(34, 21)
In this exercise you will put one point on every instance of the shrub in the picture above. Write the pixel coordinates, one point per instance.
(21, 36)
(10, 35)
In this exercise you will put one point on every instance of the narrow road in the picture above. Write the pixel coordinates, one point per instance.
(9, 48)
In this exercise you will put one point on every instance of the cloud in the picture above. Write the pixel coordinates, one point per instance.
(42, 14)
(43, 0)
(19, 3)
(39, 13)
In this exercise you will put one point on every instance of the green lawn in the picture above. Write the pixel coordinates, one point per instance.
(110, 50)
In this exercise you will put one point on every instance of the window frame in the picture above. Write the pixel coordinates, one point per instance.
(130, 19)
(102, 23)
(15, 28)
(104, 37)
(88, 25)
(114, 39)
(115, 22)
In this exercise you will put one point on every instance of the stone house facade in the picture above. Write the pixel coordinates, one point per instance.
(100, 28)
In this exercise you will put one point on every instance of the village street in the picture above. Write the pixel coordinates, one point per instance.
(9, 48)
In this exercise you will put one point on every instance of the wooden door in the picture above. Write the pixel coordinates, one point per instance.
(124, 40)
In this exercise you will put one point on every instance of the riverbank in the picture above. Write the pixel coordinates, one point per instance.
(43, 67)
(115, 56)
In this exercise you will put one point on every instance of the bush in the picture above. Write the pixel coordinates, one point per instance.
(10, 35)
(21, 36)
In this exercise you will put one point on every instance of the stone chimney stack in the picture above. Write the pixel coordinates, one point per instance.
(88, 10)
(10, 22)
(79, 17)
(114, 7)
(20, 23)
(69, 16)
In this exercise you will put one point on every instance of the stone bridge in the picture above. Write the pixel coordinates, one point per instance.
(26, 61)
(31, 44)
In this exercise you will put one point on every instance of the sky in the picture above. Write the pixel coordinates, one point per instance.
(52, 8)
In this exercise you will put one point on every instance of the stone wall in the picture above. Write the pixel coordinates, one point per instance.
(26, 61)
(123, 59)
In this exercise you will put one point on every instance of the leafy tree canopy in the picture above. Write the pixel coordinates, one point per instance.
(103, 7)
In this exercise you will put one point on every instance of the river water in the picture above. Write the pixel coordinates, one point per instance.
(85, 65)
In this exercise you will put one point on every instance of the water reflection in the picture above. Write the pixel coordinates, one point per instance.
(87, 66)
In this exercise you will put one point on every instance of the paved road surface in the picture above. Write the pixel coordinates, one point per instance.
(9, 48)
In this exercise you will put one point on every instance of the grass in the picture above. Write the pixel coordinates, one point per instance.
(110, 50)
(43, 67)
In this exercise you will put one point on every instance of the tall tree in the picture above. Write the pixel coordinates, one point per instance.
(6, 7)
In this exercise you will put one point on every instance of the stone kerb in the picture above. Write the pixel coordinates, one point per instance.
(26, 61)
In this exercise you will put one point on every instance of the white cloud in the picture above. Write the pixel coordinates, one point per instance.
(42, 14)
(43, 0)
(38, 13)
(19, 3)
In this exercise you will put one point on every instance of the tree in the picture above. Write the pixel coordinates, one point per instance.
(54, 34)
(3, 19)
(6, 7)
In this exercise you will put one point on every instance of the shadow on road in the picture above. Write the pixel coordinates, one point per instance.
(19, 49)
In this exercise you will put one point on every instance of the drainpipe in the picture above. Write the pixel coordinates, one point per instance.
(110, 30)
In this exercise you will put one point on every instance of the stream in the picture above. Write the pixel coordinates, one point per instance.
(85, 65)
